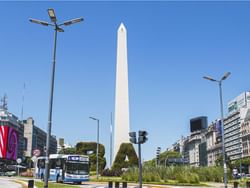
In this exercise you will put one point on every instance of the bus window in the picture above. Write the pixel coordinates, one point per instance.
(77, 168)
(56, 163)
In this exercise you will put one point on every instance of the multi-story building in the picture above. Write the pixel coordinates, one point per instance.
(10, 120)
(214, 144)
(192, 150)
(61, 145)
(245, 135)
(234, 126)
(36, 139)
(179, 145)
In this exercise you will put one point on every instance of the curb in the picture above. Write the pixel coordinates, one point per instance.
(23, 183)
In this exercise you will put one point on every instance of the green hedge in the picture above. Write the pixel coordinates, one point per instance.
(181, 174)
(125, 150)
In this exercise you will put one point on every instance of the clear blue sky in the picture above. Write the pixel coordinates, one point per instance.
(171, 45)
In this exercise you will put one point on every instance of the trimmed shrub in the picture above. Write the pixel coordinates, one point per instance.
(110, 172)
(126, 149)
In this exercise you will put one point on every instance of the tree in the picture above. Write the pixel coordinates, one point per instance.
(89, 148)
(219, 161)
(68, 151)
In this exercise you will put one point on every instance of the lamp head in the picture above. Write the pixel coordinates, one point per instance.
(225, 75)
(52, 15)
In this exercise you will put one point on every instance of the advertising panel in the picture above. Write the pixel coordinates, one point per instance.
(8, 143)
(218, 129)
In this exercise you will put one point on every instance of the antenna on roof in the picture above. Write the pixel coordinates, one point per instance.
(4, 104)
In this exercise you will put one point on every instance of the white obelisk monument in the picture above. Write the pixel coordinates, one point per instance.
(121, 125)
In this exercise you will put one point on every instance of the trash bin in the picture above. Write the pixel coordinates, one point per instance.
(30, 183)
(110, 185)
(124, 184)
(248, 184)
(117, 184)
(236, 184)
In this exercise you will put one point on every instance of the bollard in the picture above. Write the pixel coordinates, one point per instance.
(248, 184)
(236, 184)
(124, 184)
(117, 184)
(110, 185)
(30, 183)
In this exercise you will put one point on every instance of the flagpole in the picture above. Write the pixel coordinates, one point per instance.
(111, 131)
(22, 101)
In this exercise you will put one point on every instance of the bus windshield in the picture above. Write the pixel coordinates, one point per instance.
(77, 168)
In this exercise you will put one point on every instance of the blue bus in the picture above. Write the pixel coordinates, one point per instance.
(64, 168)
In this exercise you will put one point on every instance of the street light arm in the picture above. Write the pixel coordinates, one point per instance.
(209, 78)
(94, 118)
(39, 22)
(72, 21)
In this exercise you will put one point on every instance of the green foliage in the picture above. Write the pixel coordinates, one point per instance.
(111, 172)
(53, 185)
(126, 149)
(68, 151)
(181, 174)
(219, 162)
(162, 158)
(85, 148)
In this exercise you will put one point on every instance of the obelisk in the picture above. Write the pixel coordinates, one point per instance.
(121, 125)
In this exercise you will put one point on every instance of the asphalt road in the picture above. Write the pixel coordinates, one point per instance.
(7, 183)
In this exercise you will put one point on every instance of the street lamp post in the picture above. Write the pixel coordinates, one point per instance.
(57, 28)
(222, 122)
(97, 147)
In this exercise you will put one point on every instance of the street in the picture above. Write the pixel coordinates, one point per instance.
(7, 183)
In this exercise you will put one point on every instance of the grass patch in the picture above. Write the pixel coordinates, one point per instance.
(54, 185)
(106, 179)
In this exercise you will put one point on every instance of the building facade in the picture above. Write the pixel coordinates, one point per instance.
(235, 127)
(36, 139)
(214, 144)
(10, 120)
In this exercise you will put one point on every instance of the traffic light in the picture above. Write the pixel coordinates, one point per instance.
(142, 137)
(158, 151)
(132, 137)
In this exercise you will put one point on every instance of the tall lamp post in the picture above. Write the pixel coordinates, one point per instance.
(224, 77)
(97, 147)
(57, 28)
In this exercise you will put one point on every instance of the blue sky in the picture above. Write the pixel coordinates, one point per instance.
(171, 46)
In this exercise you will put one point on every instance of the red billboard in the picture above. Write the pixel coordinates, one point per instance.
(8, 143)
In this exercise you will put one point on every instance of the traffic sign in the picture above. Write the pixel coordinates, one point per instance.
(36, 152)
(33, 158)
(18, 160)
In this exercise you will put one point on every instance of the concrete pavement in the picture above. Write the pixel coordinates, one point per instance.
(7, 183)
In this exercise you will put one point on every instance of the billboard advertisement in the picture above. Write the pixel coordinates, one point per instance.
(198, 123)
(8, 143)
(218, 129)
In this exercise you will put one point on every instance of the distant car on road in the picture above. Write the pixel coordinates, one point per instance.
(10, 173)
(247, 175)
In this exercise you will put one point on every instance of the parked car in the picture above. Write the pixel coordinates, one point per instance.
(10, 173)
